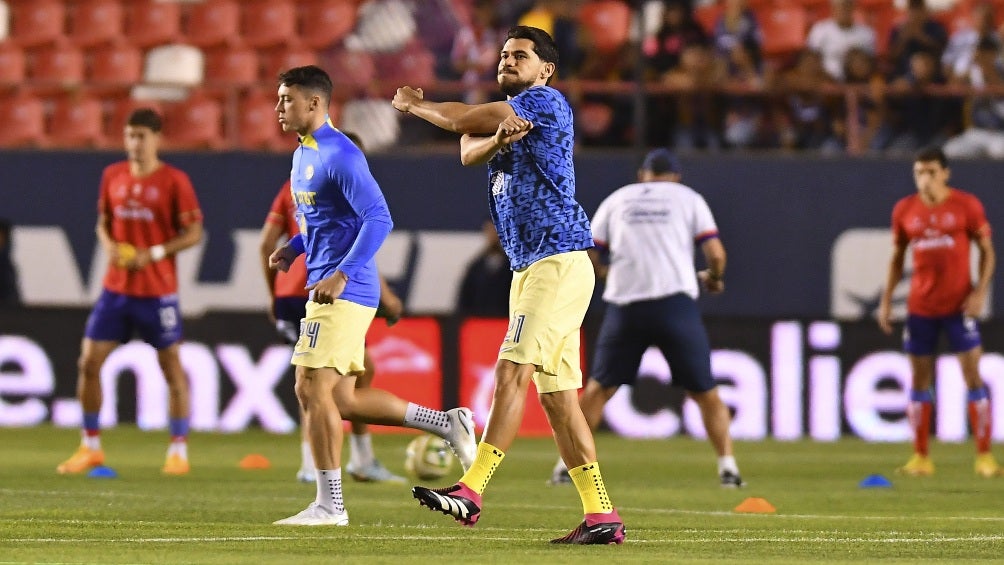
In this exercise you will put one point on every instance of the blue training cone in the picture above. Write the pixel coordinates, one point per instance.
(875, 481)
(102, 472)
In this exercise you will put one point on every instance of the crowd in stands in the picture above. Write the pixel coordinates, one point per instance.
(833, 76)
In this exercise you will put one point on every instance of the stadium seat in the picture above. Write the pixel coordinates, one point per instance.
(382, 27)
(287, 59)
(257, 124)
(708, 14)
(23, 119)
(4, 20)
(57, 67)
(323, 23)
(119, 115)
(152, 22)
(350, 70)
(268, 23)
(169, 71)
(213, 22)
(115, 67)
(37, 22)
(607, 24)
(93, 22)
(413, 65)
(13, 64)
(784, 27)
(231, 66)
(195, 123)
(76, 122)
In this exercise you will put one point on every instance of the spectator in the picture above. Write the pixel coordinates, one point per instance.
(475, 53)
(744, 113)
(699, 102)
(916, 119)
(737, 29)
(834, 37)
(557, 18)
(958, 56)
(861, 71)
(985, 135)
(918, 32)
(9, 293)
(485, 287)
(806, 108)
(679, 29)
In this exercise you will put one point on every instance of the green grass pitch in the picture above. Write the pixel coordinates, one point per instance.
(666, 491)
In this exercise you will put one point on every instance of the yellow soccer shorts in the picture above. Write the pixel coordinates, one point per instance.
(547, 302)
(333, 335)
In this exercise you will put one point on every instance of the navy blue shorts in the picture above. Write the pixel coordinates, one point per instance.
(117, 317)
(920, 333)
(289, 310)
(673, 324)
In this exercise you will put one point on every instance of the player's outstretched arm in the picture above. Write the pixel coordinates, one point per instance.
(483, 119)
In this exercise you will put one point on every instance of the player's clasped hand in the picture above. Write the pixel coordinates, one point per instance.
(326, 291)
(512, 129)
(405, 96)
(282, 258)
(712, 285)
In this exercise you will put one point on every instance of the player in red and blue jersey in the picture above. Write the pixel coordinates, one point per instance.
(343, 219)
(527, 142)
(938, 223)
(147, 212)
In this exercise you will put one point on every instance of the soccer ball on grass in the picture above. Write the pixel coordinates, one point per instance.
(428, 457)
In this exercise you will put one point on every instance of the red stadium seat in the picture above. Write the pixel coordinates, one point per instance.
(213, 22)
(37, 22)
(287, 59)
(784, 27)
(123, 107)
(267, 23)
(708, 15)
(196, 123)
(76, 122)
(115, 67)
(414, 65)
(152, 22)
(257, 124)
(13, 64)
(607, 23)
(231, 66)
(23, 119)
(350, 70)
(323, 23)
(93, 22)
(57, 67)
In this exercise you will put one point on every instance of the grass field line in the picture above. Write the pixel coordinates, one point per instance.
(447, 537)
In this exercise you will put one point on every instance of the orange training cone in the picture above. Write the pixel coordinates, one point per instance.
(255, 461)
(755, 506)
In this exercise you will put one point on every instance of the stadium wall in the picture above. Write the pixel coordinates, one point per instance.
(807, 237)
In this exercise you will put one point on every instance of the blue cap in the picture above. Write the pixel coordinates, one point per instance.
(661, 161)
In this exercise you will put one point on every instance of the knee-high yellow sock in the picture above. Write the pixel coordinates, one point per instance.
(488, 459)
(589, 482)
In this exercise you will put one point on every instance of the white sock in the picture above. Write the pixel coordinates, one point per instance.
(560, 466)
(433, 421)
(727, 463)
(361, 450)
(90, 442)
(178, 448)
(306, 457)
(329, 491)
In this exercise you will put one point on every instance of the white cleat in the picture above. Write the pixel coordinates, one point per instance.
(306, 476)
(375, 472)
(314, 515)
(461, 436)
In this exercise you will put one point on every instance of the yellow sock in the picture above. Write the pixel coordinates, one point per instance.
(589, 482)
(488, 459)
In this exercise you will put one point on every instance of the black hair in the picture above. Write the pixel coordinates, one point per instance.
(147, 118)
(310, 77)
(543, 45)
(355, 139)
(929, 154)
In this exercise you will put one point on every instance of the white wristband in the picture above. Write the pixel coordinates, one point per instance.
(157, 252)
